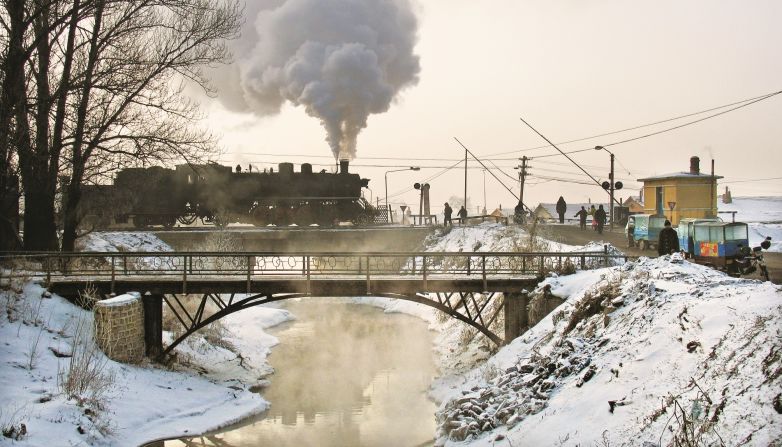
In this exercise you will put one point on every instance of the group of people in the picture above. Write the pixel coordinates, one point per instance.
(447, 215)
(598, 218)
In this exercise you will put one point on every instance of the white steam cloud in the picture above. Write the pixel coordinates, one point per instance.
(341, 59)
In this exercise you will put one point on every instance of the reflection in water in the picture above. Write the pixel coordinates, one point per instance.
(346, 375)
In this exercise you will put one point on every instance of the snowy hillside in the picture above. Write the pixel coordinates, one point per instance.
(638, 355)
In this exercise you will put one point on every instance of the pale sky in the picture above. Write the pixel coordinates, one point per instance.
(572, 69)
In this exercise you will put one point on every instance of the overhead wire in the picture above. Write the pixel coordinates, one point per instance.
(758, 98)
(689, 123)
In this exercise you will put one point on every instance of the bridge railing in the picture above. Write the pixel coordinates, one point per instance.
(192, 265)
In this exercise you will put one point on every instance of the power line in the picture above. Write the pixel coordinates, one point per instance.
(758, 98)
(668, 129)
(754, 180)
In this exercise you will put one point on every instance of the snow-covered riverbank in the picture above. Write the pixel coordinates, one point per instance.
(129, 404)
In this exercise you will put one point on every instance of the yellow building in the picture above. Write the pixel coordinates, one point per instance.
(681, 194)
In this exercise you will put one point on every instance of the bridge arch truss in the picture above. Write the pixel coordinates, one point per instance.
(478, 310)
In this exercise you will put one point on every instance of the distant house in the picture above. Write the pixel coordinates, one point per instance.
(681, 194)
(634, 205)
(497, 213)
(541, 213)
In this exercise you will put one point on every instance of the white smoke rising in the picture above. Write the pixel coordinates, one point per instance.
(341, 59)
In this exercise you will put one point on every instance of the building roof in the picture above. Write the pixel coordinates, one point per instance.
(680, 175)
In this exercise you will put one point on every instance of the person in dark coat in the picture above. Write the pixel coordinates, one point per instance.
(447, 213)
(582, 218)
(600, 217)
(561, 209)
(668, 241)
(462, 215)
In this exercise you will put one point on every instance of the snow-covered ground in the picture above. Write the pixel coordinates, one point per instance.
(762, 214)
(638, 323)
(207, 389)
(638, 355)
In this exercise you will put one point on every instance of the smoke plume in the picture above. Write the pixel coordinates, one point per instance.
(342, 60)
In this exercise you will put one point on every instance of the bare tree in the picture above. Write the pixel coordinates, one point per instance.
(88, 82)
(131, 101)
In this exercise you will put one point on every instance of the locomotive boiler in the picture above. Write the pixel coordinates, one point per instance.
(217, 194)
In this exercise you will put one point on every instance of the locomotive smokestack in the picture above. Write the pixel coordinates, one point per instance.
(695, 165)
(343, 166)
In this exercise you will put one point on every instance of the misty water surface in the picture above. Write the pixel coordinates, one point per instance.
(346, 375)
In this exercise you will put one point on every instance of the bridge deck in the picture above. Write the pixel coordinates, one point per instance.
(354, 285)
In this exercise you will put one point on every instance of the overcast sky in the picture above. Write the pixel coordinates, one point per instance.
(572, 69)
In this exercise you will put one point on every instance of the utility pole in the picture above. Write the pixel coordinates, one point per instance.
(611, 203)
(484, 191)
(465, 178)
(522, 177)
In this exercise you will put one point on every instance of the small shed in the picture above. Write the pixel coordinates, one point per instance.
(681, 194)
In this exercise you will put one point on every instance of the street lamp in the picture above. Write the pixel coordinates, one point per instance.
(484, 191)
(610, 185)
(388, 208)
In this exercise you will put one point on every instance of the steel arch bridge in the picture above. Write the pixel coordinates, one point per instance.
(473, 287)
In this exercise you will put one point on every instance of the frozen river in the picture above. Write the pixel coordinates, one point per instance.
(346, 375)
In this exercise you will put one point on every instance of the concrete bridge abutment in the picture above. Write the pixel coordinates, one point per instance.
(516, 314)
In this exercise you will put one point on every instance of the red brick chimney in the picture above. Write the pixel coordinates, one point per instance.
(695, 165)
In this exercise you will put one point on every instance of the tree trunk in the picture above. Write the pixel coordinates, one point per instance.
(81, 154)
(10, 98)
(40, 231)
(70, 215)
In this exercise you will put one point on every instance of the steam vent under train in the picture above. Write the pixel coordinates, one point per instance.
(218, 195)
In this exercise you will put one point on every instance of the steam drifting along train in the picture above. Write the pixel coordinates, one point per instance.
(218, 195)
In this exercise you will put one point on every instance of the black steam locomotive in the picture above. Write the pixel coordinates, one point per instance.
(218, 195)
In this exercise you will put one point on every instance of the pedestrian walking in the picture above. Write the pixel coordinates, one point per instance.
(582, 218)
(561, 209)
(447, 214)
(668, 241)
(600, 217)
(462, 215)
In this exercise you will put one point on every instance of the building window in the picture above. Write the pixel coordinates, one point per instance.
(659, 201)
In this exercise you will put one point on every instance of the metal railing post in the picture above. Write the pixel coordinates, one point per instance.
(423, 259)
(249, 273)
(583, 262)
(469, 267)
(48, 271)
(541, 266)
(309, 286)
(184, 274)
(483, 268)
(368, 280)
(112, 273)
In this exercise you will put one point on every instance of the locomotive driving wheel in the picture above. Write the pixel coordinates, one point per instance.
(303, 216)
(361, 220)
(140, 221)
(169, 222)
